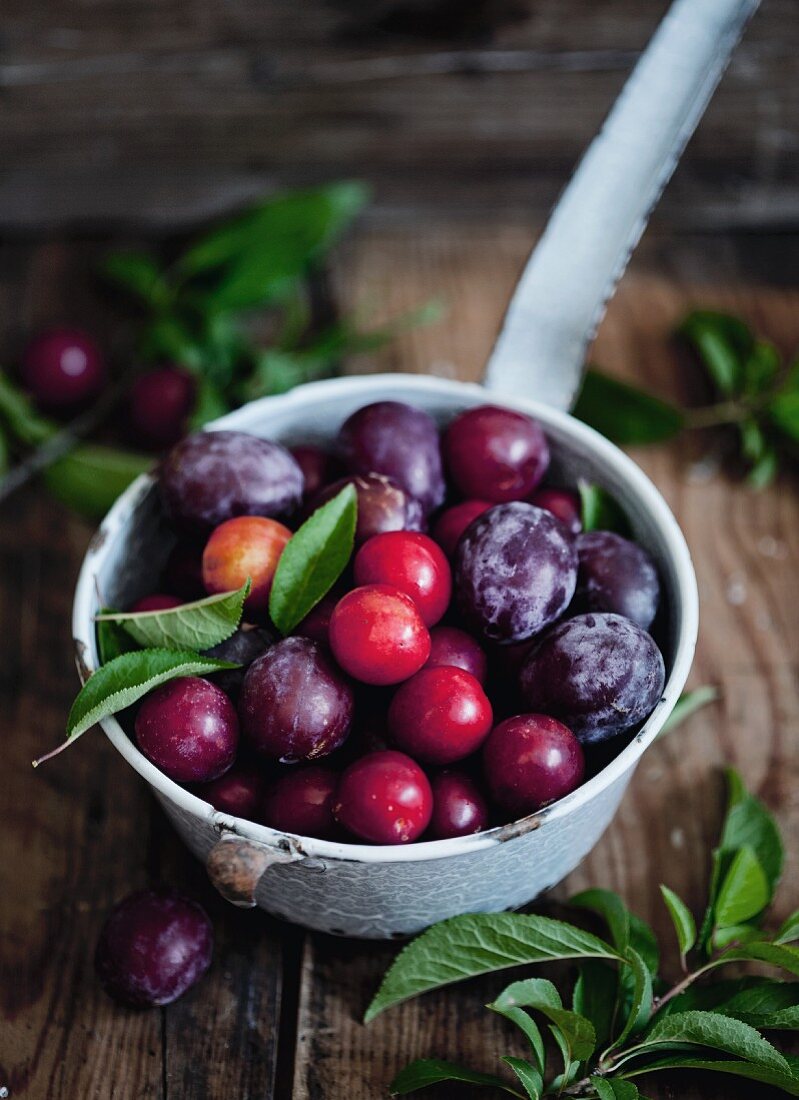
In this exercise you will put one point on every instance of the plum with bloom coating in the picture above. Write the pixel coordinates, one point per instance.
(189, 729)
(515, 572)
(210, 477)
(599, 674)
(531, 760)
(382, 506)
(377, 635)
(384, 798)
(399, 441)
(154, 946)
(295, 704)
(616, 575)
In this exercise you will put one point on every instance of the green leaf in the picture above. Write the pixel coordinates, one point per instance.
(4, 454)
(198, 625)
(689, 703)
(640, 1006)
(736, 933)
(723, 343)
(626, 415)
(611, 909)
(169, 338)
(784, 406)
(767, 1005)
(541, 996)
(138, 273)
(124, 680)
(747, 822)
(594, 997)
(789, 929)
(764, 470)
(209, 404)
(744, 891)
(506, 1006)
(709, 1029)
(761, 368)
(479, 943)
(528, 1075)
(431, 1071)
(313, 560)
(90, 478)
(774, 954)
(112, 640)
(261, 255)
(787, 1081)
(20, 416)
(599, 510)
(682, 919)
(614, 1088)
(644, 941)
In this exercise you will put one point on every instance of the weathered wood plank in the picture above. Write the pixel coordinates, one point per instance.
(746, 554)
(169, 114)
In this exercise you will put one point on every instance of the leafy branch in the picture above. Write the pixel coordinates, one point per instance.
(623, 1020)
(757, 396)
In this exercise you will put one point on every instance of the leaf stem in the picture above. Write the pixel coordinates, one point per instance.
(681, 986)
(713, 416)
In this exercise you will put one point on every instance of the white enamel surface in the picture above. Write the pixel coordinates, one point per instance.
(377, 891)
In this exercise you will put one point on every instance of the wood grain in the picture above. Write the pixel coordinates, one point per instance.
(278, 1015)
(167, 113)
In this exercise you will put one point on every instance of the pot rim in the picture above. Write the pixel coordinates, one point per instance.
(84, 634)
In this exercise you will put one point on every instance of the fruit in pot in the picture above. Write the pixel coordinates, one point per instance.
(242, 648)
(188, 728)
(183, 572)
(301, 801)
(599, 674)
(440, 715)
(378, 636)
(515, 572)
(247, 546)
(238, 792)
(412, 563)
(318, 468)
(295, 704)
(495, 454)
(159, 405)
(384, 798)
(63, 369)
(157, 601)
(451, 524)
(382, 506)
(531, 760)
(400, 441)
(153, 946)
(616, 575)
(316, 624)
(563, 504)
(450, 646)
(459, 806)
(210, 477)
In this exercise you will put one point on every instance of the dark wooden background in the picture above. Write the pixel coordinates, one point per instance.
(164, 111)
(124, 120)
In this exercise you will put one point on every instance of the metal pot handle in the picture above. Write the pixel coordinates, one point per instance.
(235, 866)
(573, 271)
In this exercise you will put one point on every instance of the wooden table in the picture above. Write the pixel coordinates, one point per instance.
(278, 1016)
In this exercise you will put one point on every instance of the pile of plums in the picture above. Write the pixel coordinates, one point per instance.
(460, 671)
